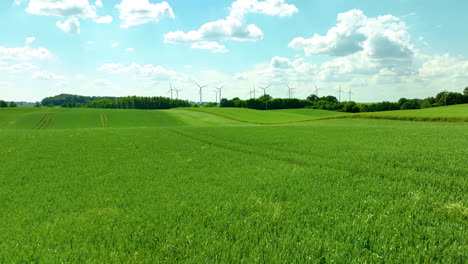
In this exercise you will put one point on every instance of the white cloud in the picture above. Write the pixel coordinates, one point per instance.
(30, 40)
(267, 7)
(282, 63)
(212, 46)
(241, 76)
(444, 66)
(24, 53)
(114, 44)
(103, 20)
(234, 26)
(72, 10)
(138, 12)
(98, 3)
(130, 50)
(46, 75)
(384, 37)
(62, 8)
(70, 26)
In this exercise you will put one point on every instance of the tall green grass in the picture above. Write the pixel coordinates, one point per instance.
(343, 191)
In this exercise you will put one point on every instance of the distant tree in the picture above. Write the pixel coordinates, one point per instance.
(402, 101)
(13, 104)
(210, 104)
(3, 103)
(265, 97)
(312, 97)
(50, 105)
(329, 98)
(465, 92)
(449, 98)
(410, 104)
(37, 104)
(351, 107)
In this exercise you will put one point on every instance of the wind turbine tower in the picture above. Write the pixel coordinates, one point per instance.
(177, 93)
(220, 90)
(171, 90)
(290, 91)
(350, 92)
(339, 92)
(200, 91)
(216, 93)
(316, 90)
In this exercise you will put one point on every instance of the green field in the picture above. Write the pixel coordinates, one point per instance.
(133, 186)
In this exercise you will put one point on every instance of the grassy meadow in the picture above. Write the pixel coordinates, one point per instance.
(219, 186)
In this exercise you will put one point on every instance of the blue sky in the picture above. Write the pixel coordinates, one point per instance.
(381, 50)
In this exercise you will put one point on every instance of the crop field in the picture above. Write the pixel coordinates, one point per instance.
(133, 186)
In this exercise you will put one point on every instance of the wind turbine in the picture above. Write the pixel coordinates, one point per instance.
(316, 89)
(216, 93)
(220, 90)
(171, 90)
(254, 92)
(290, 90)
(350, 93)
(339, 92)
(200, 91)
(264, 88)
(177, 93)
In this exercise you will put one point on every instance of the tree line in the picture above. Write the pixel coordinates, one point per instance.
(266, 102)
(131, 102)
(61, 99)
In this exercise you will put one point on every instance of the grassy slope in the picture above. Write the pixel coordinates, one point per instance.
(59, 118)
(326, 191)
(456, 113)
(446, 113)
(269, 117)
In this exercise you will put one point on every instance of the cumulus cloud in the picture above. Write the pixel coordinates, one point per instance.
(444, 66)
(62, 8)
(98, 3)
(282, 63)
(103, 20)
(72, 10)
(212, 46)
(30, 40)
(362, 45)
(70, 26)
(46, 75)
(130, 50)
(234, 26)
(24, 53)
(138, 12)
(382, 37)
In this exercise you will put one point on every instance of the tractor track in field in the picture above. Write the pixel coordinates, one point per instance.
(241, 149)
(45, 122)
(104, 120)
(273, 155)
